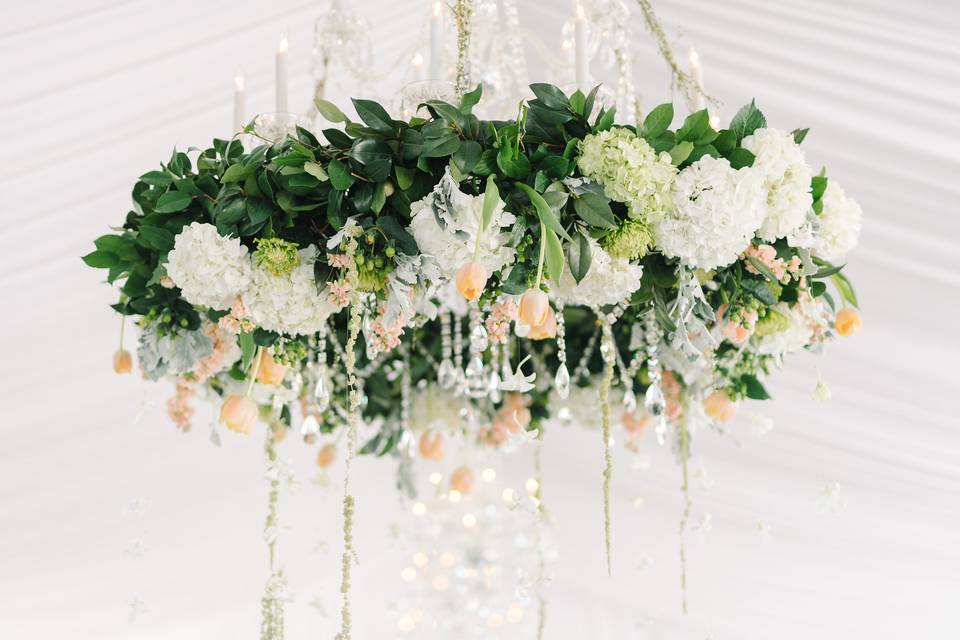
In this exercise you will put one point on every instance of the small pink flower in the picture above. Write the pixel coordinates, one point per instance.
(235, 321)
(178, 407)
(338, 260)
(339, 293)
(498, 322)
(167, 282)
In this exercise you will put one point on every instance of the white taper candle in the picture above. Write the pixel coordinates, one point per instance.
(239, 103)
(282, 74)
(436, 41)
(582, 69)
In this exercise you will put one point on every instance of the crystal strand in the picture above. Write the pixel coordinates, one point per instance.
(505, 359)
(405, 396)
(654, 400)
(321, 389)
(459, 379)
(582, 370)
(607, 347)
(494, 384)
(476, 383)
(446, 374)
(626, 379)
(561, 381)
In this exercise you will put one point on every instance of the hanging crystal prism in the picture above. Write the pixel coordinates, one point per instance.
(561, 382)
(446, 374)
(476, 383)
(321, 389)
(310, 429)
(654, 401)
(630, 400)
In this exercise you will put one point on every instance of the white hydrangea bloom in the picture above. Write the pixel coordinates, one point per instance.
(786, 181)
(717, 211)
(630, 171)
(288, 303)
(210, 269)
(840, 224)
(445, 225)
(609, 280)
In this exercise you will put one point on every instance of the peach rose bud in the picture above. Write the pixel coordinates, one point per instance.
(471, 279)
(122, 361)
(534, 305)
(431, 446)
(238, 413)
(546, 329)
(718, 406)
(326, 455)
(462, 480)
(270, 371)
(847, 321)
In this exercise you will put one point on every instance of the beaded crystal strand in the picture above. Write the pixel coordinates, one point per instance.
(476, 383)
(561, 381)
(654, 400)
(446, 372)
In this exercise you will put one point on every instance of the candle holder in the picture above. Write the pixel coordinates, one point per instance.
(276, 126)
(416, 93)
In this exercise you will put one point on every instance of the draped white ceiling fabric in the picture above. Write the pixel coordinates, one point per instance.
(93, 94)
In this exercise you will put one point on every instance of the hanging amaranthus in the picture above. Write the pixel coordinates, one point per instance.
(683, 448)
(609, 357)
(462, 14)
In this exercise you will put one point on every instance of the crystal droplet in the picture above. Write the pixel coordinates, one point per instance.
(494, 388)
(321, 392)
(476, 381)
(478, 338)
(562, 381)
(630, 400)
(654, 401)
(310, 426)
(660, 429)
(446, 374)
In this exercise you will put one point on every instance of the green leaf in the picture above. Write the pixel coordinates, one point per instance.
(156, 237)
(316, 171)
(440, 147)
(828, 271)
(762, 268)
(379, 198)
(754, 388)
(467, 156)
(470, 99)
(544, 212)
(740, 158)
(101, 259)
(658, 120)
(235, 173)
(340, 176)
(157, 178)
(594, 209)
(517, 168)
(258, 210)
(491, 197)
(746, 121)
(759, 290)
(554, 255)
(725, 142)
(173, 201)
(550, 96)
(556, 167)
(845, 288)
(818, 186)
(604, 120)
(375, 116)
(330, 111)
(404, 177)
(579, 257)
(799, 135)
(680, 152)
(248, 348)
(589, 102)
(393, 229)
(695, 126)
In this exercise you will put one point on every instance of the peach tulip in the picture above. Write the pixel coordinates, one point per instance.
(431, 446)
(122, 361)
(462, 480)
(847, 321)
(270, 371)
(636, 421)
(546, 329)
(326, 455)
(238, 413)
(719, 406)
(471, 279)
(534, 305)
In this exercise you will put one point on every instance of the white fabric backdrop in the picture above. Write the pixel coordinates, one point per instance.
(96, 93)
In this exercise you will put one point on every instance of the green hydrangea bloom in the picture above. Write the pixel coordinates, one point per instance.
(278, 257)
(632, 240)
(771, 323)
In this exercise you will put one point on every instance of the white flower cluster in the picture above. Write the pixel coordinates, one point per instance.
(445, 224)
(804, 319)
(609, 281)
(786, 181)
(288, 303)
(839, 224)
(629, 170)
(716, 211)
(210, 269)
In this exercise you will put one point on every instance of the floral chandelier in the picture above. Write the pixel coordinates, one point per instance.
(406, 281)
